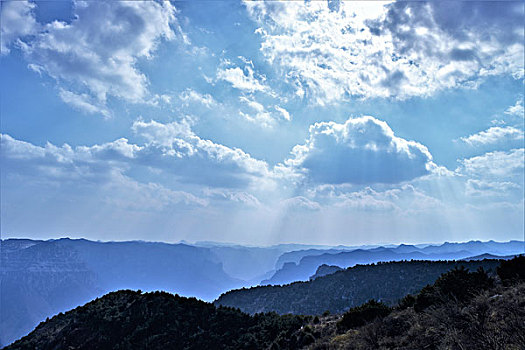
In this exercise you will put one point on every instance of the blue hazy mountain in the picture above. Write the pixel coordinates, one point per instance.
(324, 270)
(42, 278)
(309, 260)
(250, 264)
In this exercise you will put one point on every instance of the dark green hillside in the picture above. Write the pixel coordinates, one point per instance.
(387, 282)
(462, 310)
(134, 320)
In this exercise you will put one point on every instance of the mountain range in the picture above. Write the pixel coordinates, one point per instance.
(343, 289)
(462, 309)
(300, 265)
(42, 278)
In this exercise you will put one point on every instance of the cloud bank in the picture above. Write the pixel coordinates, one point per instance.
(360, 151)
(396, 50)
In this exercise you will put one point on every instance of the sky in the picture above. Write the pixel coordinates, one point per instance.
(316, 122)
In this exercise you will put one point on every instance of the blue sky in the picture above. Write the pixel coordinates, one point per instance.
(263, 122)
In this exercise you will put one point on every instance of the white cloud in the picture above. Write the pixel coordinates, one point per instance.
(300, 203)
(242, 80)
(403, 199)
(493, 135)
(366, 49)
(172, 152)
(191, 96)
(18, 20)
(240, 197)
(285, 114)
(516, 110)
(256, 113)
(96, 54)
(500, 164)
(16, 149)
(90, 163)
(83, 102)
(361, 151)
(256, 106)
(125, 193)
(367, 200)
(175, 148)
(486, 188)
(263, 119)
(99, 168)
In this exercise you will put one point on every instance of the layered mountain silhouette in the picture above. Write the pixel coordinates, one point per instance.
(43, 278)
(462, 309)
(299, 266)
(337, 292)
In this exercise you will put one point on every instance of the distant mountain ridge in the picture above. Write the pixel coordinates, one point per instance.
(337, 292)
(300, 265)
(468, 310)
(42, 278)
(324, 270)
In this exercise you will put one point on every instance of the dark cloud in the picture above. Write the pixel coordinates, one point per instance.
(500, 22)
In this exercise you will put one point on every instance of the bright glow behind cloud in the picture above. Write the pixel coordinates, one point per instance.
(400, 50)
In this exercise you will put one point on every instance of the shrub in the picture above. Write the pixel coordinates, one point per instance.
(361, 315)
(408, 301)
(512, 271)
(458, 284)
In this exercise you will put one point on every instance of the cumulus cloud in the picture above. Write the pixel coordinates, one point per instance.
(83, 102)
(171, 152)
(174, 147)
(285, 114)
(244, 80)
(18, 21)
(368, 200)
(125, 193)
(52, 163)
(86, 173)
(256, 113)
(369, 49)
(487, 188)
(190, 96)
(300, 203)
(360, 151)
(240, 197)
(413, 27)
(96, 54)
(500, 164)
(459, 42)
(493, 135)
(401, 199)
(516, 110)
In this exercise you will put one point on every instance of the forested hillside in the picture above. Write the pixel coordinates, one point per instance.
(337, 292)
(134, 320)
(462, 310)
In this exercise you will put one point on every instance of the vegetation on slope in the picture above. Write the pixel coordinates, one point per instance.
(461, 310)
(386, 282)
(134, 320)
